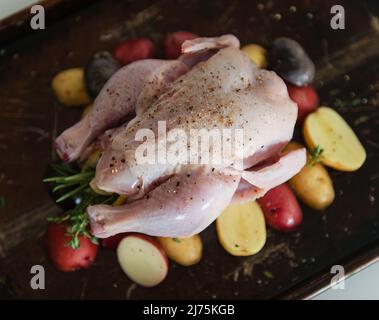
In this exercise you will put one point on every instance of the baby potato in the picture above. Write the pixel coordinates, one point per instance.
(292, 146)
(312, 185)
(97, 190)
(257, 54)
(183, 251)
(281, 209)
(289, 59)
(69, 87)
(306, 98)
(342, 149)
(120, 201)
(92, 160)
(241, 229)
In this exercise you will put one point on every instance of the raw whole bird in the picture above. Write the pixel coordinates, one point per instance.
(131, 90)
(180, 199)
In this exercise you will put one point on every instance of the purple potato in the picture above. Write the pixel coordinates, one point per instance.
(288, 58)
(98, 70)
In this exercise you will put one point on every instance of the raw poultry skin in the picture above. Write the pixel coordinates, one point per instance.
(118, 100)
(178, 200)
(183, 205)
(226, 91)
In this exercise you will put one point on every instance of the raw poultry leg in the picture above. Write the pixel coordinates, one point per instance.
(257, 181)
(190, 201)
(283, 169)
(182, 206)
(246, 192)
(137, 83)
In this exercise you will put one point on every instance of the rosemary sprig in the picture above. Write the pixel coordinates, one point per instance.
(316, 155)
(76, 218)
(70, 178)
(63, 170)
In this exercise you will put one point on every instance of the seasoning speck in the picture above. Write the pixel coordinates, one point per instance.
(277, 17)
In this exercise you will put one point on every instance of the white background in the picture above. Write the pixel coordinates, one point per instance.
(7, 7)
(363, 285)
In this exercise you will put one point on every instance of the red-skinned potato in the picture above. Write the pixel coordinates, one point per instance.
(113, 241)
(281, 209)
(173, 43)
(306, 98)
(65, 258)
(133, 50)
(143, 259)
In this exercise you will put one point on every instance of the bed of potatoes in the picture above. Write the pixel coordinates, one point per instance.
(241, 228)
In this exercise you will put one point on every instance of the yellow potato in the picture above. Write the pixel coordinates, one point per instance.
(312, 184)
(69, 87)
(184, 251)
(342, 149)
(293, 145)
(92, 160)
(241, 229)
(120, 201)
(86, 110)
(97, 190)
(257, 54)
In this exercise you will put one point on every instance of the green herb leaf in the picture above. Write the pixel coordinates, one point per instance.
(72, 193)
(316, 155)
(268, 274)
(338, 103)
(176, 240)
(78, 178)
(62, 186)
(63, 170)
(94, 240)
(356, 102)
(76, 218)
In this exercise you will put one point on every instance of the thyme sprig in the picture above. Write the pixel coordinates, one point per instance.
(316, 155)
